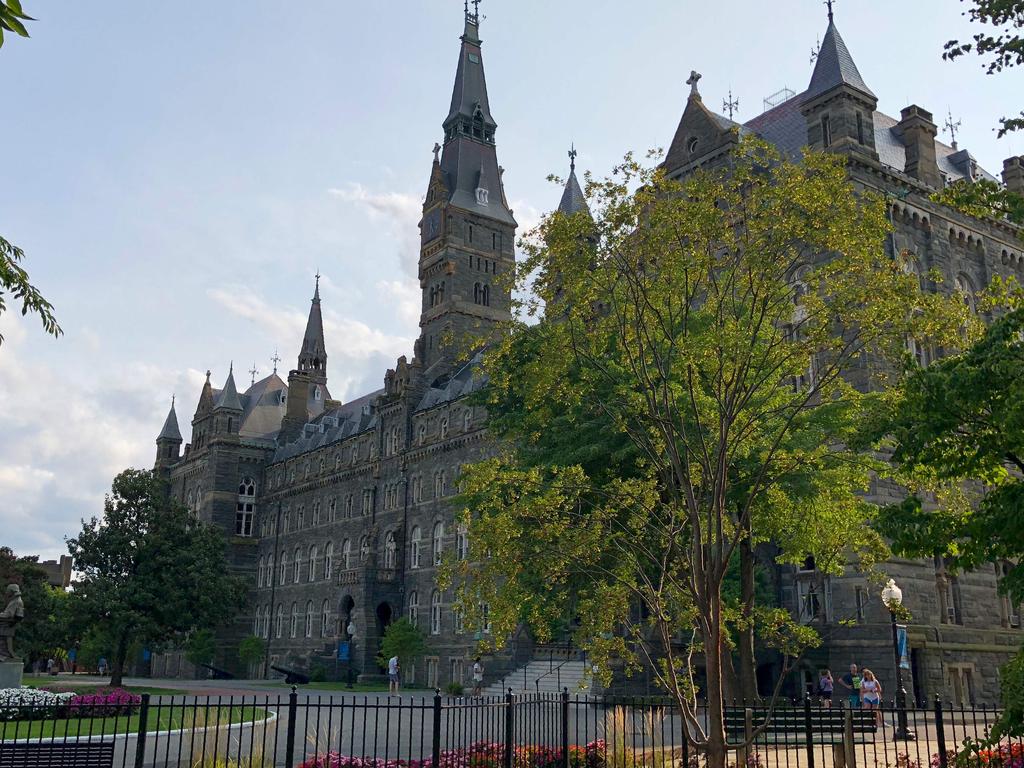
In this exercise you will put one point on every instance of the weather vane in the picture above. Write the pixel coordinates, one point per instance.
(815, 51)
(253, 372)
(275, 360)
(730, 105)
(572, 156)
(829, 4)
(952, 127)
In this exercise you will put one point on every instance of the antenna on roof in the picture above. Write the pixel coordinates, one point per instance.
(275, 360)
(253, 372)
(815, 51)
(951, 127)
(730, 105)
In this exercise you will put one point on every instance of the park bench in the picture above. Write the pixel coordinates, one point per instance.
(218, 674)
(838, 726)
(70, 754)
(291, 677)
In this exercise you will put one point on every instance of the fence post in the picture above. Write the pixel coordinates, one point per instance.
(849, 753)
(293, 715)
(808, 732)
(140, 741)
(509, 727)
(565, 728)
(435, 743)
(940, 733)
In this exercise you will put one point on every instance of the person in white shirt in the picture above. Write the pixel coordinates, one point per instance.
(478, 677)
(393, 679)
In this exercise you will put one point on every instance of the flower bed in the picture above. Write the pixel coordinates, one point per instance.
(480, 755)
(41, 704)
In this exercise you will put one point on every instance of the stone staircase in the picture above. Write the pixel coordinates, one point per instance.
(547, 676)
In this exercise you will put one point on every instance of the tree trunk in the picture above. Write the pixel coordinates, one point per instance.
(748, 660)
(716, 743)
(117, 665)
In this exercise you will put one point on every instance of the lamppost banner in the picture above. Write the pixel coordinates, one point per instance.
(901, 645)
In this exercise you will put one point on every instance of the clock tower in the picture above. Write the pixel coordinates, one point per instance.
(467, 233)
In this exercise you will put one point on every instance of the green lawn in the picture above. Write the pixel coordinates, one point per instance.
(160, 719)
(341, 687)
(64, 684)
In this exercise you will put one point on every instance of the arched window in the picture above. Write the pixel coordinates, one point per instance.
(312, 562)
(390, 550)
(414, 608)
(348, 505)
(440, 484)
(270, 569)
(444, 428)
(259, 573)
(487, 295)
(293, 626)
(190, 501)
(297, 572)
(256, 621)
(462, 542)
(279, 621)
(394, 440)
(459, 620)
(966, 290)
(438, 549)
(417, 489)
(325, 619)
(435, 613)
(485, 618)
(284, 568)
(467, 419)
(477, 293)
(415, 547)
(421, 434)
(364, 549)
(328, 560)
(346, 554)
(309, 618)
(286, 521)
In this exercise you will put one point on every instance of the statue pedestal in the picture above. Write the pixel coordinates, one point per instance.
(10, 673)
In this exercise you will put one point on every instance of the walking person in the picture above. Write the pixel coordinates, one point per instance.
(871, 694)
(478, 677)
(825, 687)
(852, 682)
(393, 671)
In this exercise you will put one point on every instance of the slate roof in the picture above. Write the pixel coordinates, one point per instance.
(265, 403)
(332, 426)
(834, 67)
(170, 430)
(573, 199)
(229, 395)
(468, 378)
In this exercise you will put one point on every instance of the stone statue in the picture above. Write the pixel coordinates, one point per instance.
(9, 619)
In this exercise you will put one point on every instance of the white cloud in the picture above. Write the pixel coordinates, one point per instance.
(400, 213)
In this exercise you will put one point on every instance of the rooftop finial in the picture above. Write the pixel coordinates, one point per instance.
(695, 77)
(275, 360)
(207, 375)
(474, 17)
(730, 104)
(253, 372)
(437, 152)
(316, 291)
(172, 402)
(951, 127)
(572, 157)
(831, 15)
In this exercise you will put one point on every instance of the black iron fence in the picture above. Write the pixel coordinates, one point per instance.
(511, 731)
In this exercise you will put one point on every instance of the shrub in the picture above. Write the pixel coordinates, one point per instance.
(318, 673)
(454, 689)
(32, 703)
(106, 702)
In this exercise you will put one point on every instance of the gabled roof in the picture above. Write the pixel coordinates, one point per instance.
(835, 67)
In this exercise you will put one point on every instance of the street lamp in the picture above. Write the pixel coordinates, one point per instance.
(350, 630)
(892, 598)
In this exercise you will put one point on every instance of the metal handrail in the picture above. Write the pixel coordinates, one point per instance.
(557, 671)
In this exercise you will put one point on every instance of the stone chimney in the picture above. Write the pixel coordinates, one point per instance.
(1013, 174)
(918, 130)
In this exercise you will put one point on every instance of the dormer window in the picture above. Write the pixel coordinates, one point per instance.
(481, 196)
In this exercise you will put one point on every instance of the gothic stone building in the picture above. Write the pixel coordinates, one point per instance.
(338, 513)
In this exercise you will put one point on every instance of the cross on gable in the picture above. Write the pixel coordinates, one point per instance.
(695, 77)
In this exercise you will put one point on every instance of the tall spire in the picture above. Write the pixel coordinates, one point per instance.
(229, 395)
(834, 65)
(170, 430)
(469, 129)
(573, 199)
(313, 355)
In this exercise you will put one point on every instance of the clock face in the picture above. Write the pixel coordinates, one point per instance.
(432, 225)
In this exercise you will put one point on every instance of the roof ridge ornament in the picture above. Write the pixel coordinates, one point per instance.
(831, 12)
(952, 127)
(695, 77)
(572, 157)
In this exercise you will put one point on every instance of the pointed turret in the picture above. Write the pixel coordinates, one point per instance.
(313, 355)
(229, 399)
(168, 442)
(838, 105)
(205, 400)
(573, 199)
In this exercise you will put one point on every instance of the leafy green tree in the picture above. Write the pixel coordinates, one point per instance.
(957, 430)
(689, 390)
(403, 640)
(201, 647)
(252, 650)
(1003, 47)
(12, 19)
(982, 198)
(45, 628)
(151, 572)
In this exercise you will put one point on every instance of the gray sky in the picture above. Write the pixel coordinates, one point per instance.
(176, 173)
